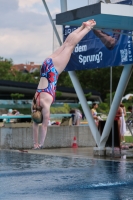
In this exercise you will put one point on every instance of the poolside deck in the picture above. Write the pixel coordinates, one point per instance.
(81, 152)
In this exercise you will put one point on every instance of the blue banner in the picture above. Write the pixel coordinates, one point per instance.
(100, 49)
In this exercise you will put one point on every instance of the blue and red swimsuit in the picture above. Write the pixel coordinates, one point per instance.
(50, 73)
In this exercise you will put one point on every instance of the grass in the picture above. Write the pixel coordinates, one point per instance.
(129, 139)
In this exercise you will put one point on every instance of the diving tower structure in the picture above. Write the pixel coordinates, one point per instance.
(107, 16)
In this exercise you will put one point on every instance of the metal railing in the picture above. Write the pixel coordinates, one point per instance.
(52, 116)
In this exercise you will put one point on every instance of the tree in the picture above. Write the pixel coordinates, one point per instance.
(5, 66)
(17, 96)
(58, 93)
(8, 73)
(94, 79)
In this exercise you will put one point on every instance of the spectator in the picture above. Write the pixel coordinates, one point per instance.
(130, 109)
(76, 116)
(122, 123)
(72, 111)
(15, 112)
(9, 113)
(117, 118)
(94, 113)
(129, 120)
(83, 115)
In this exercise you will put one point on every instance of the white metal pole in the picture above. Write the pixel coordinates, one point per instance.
(63, 4)
(80, 93)
(110, 108)
(110, 86)
(51, 20)
(107, 1)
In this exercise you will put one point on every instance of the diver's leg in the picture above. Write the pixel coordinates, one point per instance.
(61, 48)
(46, 115)
(35, 135)
(74, 37)
(60, 61)
(44, 128)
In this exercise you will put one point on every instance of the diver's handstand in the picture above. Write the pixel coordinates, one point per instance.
(50, 70)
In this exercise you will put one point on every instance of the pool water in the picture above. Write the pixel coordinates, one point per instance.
(26, 176)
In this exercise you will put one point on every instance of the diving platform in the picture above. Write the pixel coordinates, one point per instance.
(106, 15)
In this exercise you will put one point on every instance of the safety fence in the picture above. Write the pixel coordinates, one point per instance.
(52, 116)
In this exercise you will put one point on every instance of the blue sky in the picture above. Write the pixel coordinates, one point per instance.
(26, 33)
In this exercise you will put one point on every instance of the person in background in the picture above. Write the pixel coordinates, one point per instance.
(7, 120)
(130, 109)
(78, 116)
(94, 113)
(72, 112)
(15, 112)
(122, 123)
(50, 70)
(129, 121)
(83, 116)
(9, 113)
(117, 118)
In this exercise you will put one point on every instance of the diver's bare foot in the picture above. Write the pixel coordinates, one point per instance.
(89, 24)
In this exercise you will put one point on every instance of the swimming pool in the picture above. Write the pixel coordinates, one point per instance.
(30, 176)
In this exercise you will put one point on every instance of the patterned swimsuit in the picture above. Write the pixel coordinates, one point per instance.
(50, 73)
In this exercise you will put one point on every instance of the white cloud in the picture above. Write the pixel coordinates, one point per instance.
(25, 45)
(30, 3)
(25, 30)
(36, 6)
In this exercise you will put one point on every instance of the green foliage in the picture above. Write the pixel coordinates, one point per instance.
(129, 139)
(88, 95)
(7, 73)
(107, 99)
(36, 73)
(96, 79)
(67, 107)
(17, 96)
(103, 108)
(5, 67)
(25, 111)
(64, 80)
(60, 110)
(58, 94)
